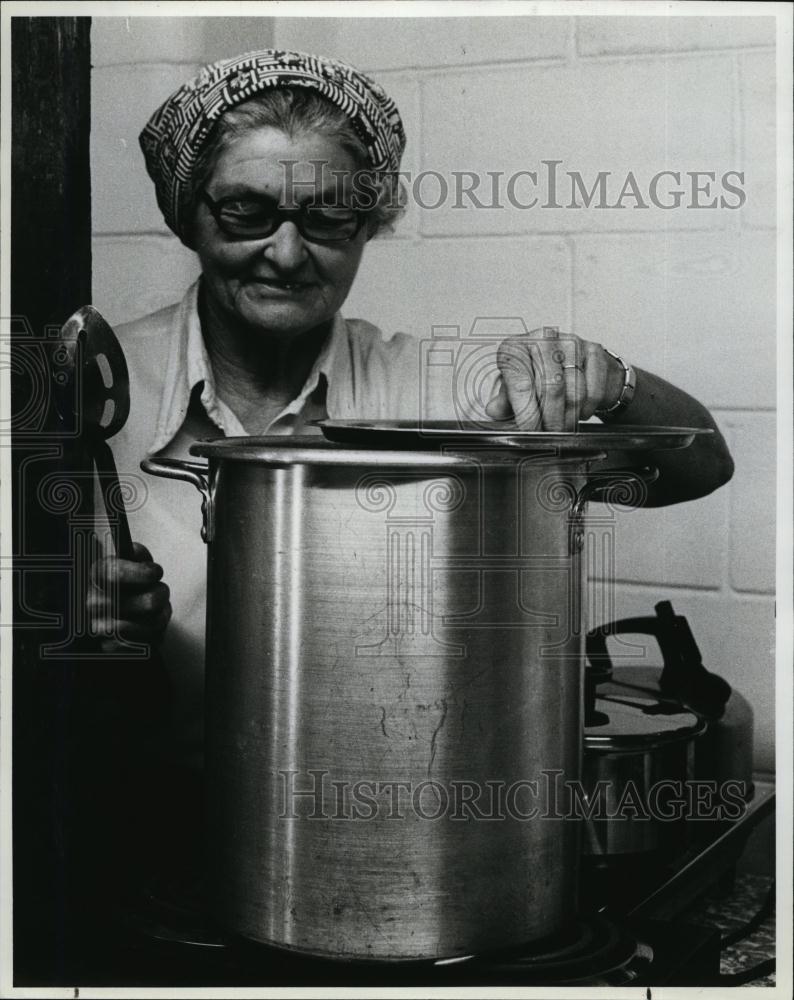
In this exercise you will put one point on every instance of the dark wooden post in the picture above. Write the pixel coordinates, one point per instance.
(50, 278)
(51, 184)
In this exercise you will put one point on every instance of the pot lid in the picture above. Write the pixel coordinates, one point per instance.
(637, 723)
(398, 442)
(587, 436)
(314, 449)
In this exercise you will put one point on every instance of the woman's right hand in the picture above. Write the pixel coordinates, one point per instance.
(128, 600)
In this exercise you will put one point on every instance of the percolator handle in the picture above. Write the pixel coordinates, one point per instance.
(596, 641)
(683, 676)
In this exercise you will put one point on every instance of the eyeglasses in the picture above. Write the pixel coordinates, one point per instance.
(254, 218)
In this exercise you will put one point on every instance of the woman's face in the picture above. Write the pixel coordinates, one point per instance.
(283, 283)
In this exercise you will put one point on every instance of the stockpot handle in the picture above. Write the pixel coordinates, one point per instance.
(196, 473)
(628, 487)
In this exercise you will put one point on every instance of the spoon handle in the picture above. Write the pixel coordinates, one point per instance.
(114, 500)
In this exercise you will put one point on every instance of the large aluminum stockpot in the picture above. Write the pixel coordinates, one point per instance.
(393, 689)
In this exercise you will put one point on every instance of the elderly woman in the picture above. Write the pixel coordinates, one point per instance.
(277, 168)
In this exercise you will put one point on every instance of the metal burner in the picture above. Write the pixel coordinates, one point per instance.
(596, 947)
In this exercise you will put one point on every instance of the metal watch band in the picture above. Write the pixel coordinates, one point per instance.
(627, 392)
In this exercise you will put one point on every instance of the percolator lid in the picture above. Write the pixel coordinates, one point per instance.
(638, 724)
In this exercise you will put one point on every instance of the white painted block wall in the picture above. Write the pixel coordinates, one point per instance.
(687, 294)
(139, 265)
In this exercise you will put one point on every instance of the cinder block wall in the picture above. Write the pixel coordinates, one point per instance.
(689, 294)
(139, 265)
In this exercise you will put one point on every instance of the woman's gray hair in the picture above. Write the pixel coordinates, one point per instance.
(295, 111)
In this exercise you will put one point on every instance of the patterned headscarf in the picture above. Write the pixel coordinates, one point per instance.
(175, 134)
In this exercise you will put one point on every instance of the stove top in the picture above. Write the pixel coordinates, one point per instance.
(635, 935)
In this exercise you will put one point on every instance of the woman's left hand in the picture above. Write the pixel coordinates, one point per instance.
(551, 382)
